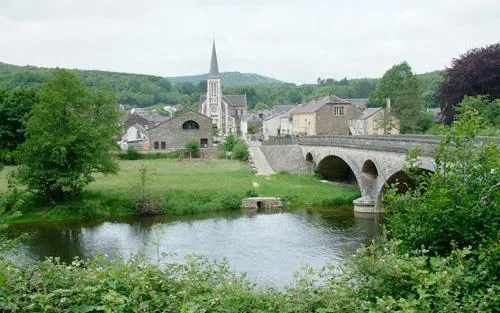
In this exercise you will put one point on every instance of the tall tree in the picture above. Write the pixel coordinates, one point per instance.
(69, 136)
(15, 109)
(477, 72)
(401, 86)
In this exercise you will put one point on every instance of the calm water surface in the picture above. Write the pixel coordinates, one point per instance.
(270, 248)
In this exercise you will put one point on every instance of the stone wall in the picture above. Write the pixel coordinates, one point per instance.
(286, 158)
(174, 136)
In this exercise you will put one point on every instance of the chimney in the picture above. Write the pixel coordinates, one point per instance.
(388, 105)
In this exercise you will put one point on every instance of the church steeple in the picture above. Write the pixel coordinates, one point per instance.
(214, 67)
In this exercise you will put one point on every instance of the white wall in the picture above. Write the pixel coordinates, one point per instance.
(270, 127)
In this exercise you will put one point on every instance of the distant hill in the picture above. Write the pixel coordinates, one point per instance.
(228, 79)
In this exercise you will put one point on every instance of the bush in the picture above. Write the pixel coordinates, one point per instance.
(131, 154)
(192, 147)
(240, 150)
(456, 205)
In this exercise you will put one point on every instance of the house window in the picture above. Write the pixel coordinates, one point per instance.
(190, 125)
(338, 110)
(163, 145)
(156, 145)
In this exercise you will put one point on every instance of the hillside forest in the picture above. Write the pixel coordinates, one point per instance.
(136, 90)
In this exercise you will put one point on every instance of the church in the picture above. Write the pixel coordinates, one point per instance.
(226, 111)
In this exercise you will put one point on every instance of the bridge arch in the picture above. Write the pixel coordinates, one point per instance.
(402, 180)
(369, 170)
(336, 168)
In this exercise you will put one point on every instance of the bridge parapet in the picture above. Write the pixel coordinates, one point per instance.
(398, 144)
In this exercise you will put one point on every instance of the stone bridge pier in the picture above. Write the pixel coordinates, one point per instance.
(370, 169)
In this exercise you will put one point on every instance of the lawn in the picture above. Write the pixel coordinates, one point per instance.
(188, 187)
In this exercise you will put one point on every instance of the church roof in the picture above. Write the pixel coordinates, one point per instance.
(232, 100)
(236, 100)
(317, 104)
(214, 66)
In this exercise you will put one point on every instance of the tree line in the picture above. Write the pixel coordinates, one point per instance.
(136, 90)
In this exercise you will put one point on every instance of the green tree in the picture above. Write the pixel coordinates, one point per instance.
(457, 206)
(69, 136)
(401, 86)
(240, 150)
(15, 109)
(193, 147)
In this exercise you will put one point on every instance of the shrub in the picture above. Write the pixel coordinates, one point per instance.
(240, 150)
(457, 204)
(131, 154)
(192, 147)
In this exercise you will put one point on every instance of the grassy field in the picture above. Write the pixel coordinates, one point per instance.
(188, 187)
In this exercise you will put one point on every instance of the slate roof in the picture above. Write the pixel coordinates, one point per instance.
(214, 66)
(317, 104)
(232, 100)
(236, 100)
(153, 117)
(360, 104)
(368, 112)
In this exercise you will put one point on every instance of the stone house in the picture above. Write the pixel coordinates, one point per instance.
(278, 123)
(374, 121)
(327, 115)
(177, 131)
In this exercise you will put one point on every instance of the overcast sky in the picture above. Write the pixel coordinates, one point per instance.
(295, 41)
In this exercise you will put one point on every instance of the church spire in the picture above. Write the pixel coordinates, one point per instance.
(214, 67)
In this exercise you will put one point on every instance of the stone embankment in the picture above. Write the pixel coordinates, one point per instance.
(286, 158)
(258, 161)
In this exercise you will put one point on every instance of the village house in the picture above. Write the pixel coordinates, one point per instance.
(135, 129)
(172, 133)
(272, 123)
(375, 121)
(177, 131)
(327, 115)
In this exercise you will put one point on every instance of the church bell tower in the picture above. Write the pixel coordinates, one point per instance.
(214, 93)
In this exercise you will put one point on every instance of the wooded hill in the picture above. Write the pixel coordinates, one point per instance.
(137, 90)
(228, 79)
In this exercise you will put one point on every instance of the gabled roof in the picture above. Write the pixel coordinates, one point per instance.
(317, 104)
(232, 100)
(360, 104)
(368, 113)
(179, 116)
(153, 117)
(214, 66)
(236, 100)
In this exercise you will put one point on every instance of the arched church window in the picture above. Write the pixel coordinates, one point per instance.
(190, 125)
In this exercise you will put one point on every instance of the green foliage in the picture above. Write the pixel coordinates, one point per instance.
(145, 203)
(229, 143)
(69, 136)
(15, 109)
(488, 110)
(131, 154)
(240, 150)
(227, 78)
(151, 156)
(458, 204)
(192, 147)
(401, 86)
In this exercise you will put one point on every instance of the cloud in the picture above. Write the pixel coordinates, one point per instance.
(291, 40)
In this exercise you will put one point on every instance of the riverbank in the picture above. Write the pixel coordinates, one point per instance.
(184, 187)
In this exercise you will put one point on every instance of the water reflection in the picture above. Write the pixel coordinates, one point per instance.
(269, 247)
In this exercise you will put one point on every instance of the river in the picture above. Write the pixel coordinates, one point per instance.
(270, 248)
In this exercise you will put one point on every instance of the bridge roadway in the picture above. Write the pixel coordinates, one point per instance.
(371, 161)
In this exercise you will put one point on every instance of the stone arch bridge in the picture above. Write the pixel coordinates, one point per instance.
(369, 161)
